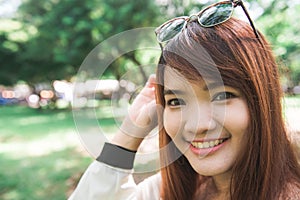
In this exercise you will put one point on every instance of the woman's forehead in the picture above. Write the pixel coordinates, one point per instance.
(174, 80)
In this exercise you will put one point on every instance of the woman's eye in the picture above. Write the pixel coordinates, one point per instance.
(223, 96)
(175, 102)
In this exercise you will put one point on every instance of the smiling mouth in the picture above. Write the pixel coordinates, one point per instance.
(208, 144)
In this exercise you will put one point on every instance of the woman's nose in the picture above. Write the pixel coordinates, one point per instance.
(201, 119)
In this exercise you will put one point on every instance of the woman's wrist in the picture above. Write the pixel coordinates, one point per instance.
(131, 134)
(127, 141)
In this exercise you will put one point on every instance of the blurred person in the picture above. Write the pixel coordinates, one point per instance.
(216, 99)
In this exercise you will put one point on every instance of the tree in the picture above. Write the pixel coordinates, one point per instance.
(60, 33)
(279, 22)
(62, 40)
(67, 30)
(8, 61)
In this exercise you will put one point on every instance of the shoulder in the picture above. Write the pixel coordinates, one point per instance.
(150, 188)
(152, 181)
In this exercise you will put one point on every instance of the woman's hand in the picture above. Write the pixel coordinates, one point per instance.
(141, 118)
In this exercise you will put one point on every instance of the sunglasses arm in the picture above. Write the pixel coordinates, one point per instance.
(161, 47)
(248, 16)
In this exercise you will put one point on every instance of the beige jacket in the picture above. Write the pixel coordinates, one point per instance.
(101, 181)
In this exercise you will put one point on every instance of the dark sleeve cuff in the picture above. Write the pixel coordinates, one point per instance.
(117, 156)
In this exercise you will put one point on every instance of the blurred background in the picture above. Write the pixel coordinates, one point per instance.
(42, 46)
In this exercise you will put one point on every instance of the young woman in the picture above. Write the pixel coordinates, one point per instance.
(222, 135)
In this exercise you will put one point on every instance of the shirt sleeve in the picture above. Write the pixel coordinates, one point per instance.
(117, 156)
(112, 179)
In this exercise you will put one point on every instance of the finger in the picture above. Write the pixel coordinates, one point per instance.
(151, 81)
(147, 115)
(152, 112)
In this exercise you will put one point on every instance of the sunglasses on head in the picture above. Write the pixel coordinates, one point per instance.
(210, 16)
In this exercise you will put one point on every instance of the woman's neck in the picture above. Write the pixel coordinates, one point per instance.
(216, 188)
(221, 185)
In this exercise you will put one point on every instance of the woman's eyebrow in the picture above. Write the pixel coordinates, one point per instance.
(173, 92)
(213, 85)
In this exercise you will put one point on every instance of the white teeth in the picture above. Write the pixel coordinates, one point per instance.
(200, 145)
(205, 145)
(216, 142)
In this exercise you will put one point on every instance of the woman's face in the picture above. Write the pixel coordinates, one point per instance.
(206, 125)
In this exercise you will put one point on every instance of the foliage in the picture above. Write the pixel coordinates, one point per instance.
(279, 22)
(8, 61)
(50, 39)
(66, 31)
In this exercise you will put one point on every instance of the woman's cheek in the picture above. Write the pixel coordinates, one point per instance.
(240, 117)
(172, 123)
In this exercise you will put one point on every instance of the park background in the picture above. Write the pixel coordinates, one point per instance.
(42, 46)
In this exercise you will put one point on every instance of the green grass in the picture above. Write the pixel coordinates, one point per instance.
(26, 124)
(40, 153)
(49, 176)
(20, 122)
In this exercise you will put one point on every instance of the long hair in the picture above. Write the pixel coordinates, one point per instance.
(267, 162)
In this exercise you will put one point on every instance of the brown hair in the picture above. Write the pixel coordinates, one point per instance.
(267, 163)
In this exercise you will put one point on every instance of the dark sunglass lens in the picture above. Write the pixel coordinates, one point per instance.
(170, 29)
(216, 14)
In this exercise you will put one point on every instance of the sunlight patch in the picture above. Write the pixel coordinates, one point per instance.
(42, 146)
